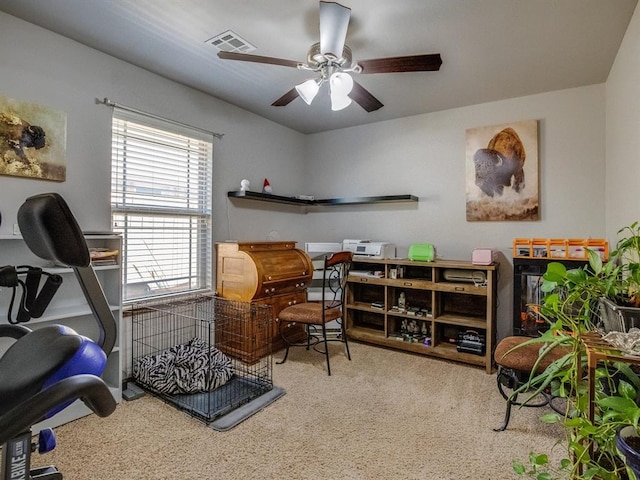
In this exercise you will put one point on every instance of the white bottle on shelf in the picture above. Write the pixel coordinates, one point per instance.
(402, 303)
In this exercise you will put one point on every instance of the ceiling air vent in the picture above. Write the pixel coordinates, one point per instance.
(231, 42)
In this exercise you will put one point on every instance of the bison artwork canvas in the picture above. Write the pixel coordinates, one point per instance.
(502, 172)
(32, 140)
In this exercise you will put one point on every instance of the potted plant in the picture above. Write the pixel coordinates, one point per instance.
(621, 413)
(621, 306)
(620, 309)
(628, 252)
(572, 308)
(628, 442)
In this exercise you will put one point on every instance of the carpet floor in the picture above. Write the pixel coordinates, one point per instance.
(385, 414)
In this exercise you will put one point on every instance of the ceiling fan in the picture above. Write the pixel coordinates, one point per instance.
(332, 60)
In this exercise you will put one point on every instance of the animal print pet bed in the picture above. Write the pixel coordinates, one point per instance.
(191, 367)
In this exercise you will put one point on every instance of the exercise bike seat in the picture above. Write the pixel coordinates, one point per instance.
(61, 353)
(48, 368)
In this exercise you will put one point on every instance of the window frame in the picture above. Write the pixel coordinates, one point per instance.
(182, 199)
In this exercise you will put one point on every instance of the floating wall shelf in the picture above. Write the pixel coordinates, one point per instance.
(265, 197)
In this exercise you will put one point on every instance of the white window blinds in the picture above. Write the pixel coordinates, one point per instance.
(161, 203)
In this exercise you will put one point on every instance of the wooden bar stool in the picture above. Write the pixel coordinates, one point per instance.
(315, 315)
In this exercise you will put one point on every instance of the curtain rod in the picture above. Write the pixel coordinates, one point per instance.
(109, 103)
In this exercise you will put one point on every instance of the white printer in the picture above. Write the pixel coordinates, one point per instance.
(369, 249)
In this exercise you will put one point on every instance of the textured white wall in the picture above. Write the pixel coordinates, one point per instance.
(41, 67)
(425, 156)
(623, 132)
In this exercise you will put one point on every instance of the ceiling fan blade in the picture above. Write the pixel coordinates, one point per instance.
(334, 22)
(287, 98)
(245, 57)
(362, 97)
(411, 63)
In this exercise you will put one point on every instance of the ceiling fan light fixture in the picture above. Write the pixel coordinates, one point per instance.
(341, 83)
(308, 90)
(339, 101)
(332, 59)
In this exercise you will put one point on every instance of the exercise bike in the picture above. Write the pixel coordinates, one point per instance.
(44, 370)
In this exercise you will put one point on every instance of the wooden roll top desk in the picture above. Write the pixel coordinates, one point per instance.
(271, 273)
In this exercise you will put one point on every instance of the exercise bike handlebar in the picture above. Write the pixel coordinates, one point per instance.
(13, 331)
(90, 389)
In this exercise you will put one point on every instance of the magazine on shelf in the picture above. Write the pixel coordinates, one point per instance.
(367, 273)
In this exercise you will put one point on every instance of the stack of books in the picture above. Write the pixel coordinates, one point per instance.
(103, 256)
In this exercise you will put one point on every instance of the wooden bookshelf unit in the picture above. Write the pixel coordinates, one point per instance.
(444, 300)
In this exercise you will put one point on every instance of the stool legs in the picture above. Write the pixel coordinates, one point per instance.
(317, 342)
(286, 353)
(508, 378)
(343, 332)
(507, 414)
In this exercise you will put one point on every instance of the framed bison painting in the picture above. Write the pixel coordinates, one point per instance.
(502, 172)
(32, 140)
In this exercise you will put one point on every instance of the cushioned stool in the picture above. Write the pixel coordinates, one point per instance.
(515, 367)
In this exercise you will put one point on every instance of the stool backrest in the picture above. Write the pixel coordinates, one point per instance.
(336, 271)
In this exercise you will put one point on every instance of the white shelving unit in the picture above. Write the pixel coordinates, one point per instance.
(70, 308)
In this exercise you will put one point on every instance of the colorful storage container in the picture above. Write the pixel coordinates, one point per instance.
(560, 248)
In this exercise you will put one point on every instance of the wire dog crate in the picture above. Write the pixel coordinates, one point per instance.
(186, 353)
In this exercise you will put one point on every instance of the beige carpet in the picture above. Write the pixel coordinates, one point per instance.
(385, 414)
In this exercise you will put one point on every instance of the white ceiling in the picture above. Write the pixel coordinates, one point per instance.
(491, 49)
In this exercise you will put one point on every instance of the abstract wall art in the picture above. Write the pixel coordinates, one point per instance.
(32, 140)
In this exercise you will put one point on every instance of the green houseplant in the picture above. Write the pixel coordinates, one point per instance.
(624, 408)
(621, 307)
(570, 306)
(573, 305)
(628, 254)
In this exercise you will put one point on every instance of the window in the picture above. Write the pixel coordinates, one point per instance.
(161, 204)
